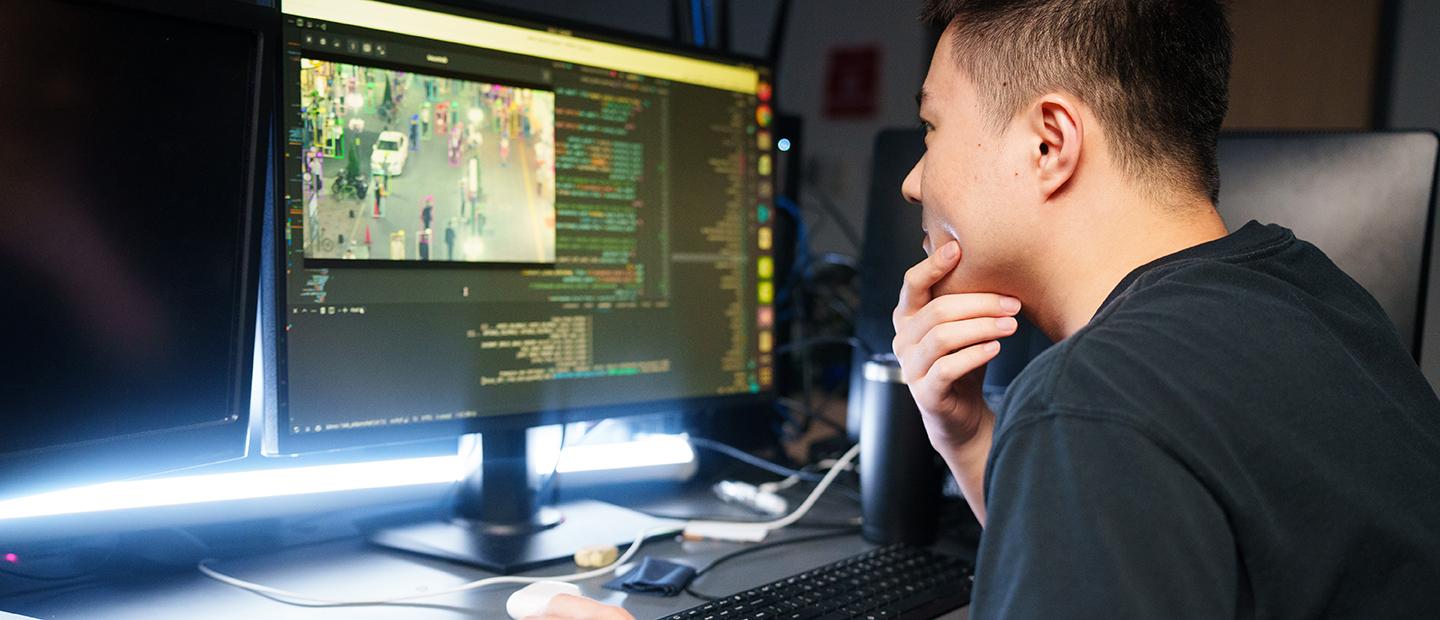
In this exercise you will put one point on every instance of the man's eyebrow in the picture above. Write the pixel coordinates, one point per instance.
(920, 97)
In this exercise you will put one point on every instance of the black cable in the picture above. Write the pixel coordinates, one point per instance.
(72, 576)
(777, 38)
(50, 591)
(772, 467)
(814, 417)
(833, 259)
(841, 310)
(94, 566)
(798, 329)
(760, 547)
(846, 228)
(807, 389)
(802, 524)
(750, 459)
(823, 340)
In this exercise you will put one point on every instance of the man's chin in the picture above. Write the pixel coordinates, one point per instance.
(968, 277)
(959, 280)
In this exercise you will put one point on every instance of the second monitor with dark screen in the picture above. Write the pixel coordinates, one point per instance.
(131, 180)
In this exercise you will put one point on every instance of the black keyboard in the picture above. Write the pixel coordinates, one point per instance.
(897, 581)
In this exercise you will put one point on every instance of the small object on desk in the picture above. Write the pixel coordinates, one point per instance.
(595, 556)
(532, 600)
(750, 496)
(725, 530)
(654, 576)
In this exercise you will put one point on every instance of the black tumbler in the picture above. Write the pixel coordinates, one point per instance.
(900, 478)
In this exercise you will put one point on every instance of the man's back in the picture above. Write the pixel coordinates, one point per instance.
(1238, 432)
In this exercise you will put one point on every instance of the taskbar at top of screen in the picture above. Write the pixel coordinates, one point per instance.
(480, 33)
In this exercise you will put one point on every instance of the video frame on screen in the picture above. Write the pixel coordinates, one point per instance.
(403, 166)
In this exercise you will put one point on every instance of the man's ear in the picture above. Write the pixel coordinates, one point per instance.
(1058, 132)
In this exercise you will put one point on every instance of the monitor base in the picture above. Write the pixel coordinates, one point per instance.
(508, 550)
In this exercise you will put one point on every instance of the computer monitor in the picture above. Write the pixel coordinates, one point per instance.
(492, 223)
(130, 189)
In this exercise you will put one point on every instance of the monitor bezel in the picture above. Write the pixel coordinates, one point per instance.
(279, 442)
(170, 450)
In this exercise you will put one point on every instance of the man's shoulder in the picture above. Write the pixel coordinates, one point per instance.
(1172, 338)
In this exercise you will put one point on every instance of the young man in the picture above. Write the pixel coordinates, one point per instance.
(1228, 425)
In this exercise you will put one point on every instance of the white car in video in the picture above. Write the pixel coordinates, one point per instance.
(390, 152)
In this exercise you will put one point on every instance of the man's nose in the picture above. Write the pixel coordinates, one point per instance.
(910, 189)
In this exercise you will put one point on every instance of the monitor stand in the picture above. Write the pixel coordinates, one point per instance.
(501, 526)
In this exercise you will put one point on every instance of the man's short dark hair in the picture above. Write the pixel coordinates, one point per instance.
(1155, 72)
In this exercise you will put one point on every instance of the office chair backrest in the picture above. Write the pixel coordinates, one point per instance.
(1365, 199)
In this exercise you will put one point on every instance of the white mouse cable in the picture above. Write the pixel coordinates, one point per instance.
(473, 585)
(780, 485)
(840, 465)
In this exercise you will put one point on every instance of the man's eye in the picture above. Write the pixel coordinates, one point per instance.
(926, 126)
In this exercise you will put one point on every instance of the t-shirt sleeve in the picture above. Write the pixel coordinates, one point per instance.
(1090, 518)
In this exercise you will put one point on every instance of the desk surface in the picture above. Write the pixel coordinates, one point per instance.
(351, 568)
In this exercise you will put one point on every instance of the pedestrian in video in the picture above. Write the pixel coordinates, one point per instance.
(450, 239)
(457, 143)
(442, 118)
(414, 132)
(424, 239)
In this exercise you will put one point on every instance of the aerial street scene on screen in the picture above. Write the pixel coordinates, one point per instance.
(402, 166)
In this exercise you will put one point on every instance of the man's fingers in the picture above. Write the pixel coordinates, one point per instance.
(581, 608)
(948, 369)
(915, 292)
(948, 308)
(953, 336)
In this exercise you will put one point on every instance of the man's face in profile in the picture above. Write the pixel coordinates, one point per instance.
(971, 182)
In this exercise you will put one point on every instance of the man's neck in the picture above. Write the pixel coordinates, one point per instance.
(1091, 259)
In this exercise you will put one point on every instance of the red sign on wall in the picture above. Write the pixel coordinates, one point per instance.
(852, 82)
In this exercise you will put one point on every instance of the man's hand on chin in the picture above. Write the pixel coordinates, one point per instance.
(943, 343)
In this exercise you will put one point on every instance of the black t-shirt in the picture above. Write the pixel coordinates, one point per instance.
(1238, 432)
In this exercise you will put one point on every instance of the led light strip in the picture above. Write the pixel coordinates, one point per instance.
(183, 490)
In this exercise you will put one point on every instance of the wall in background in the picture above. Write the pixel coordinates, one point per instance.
(1304, 64)
(1415, 74)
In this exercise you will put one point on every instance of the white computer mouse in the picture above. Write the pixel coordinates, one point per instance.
(532, 600)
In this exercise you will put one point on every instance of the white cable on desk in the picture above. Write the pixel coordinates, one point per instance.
(764, 526)
(749, 531)
(473, 585)
(772, 487)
